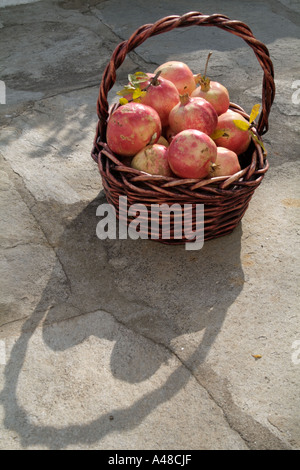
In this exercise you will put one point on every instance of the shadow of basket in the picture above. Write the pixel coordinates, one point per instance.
(158, 292)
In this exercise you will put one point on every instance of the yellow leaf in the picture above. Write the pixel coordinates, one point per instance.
(256, 356)
(244, 126)
(217, 133)
(258, 141)
(254, 112)
(136, 94)
(128, 89)
(123, 101)
(141, 74)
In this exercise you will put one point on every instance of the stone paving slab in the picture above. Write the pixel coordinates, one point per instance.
(131, 344)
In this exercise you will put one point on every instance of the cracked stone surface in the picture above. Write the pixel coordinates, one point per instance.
(132, 344)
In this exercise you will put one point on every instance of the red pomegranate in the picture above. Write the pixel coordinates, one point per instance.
(191, 154)
(215, 93)
(193, 113)
(152, 159)
(233, 138)
(226, 164)
(131, 127)
(162, 95)
(178, 73)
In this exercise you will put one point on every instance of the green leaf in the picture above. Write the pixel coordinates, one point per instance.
(244, 126)
(131, 78)
(254, 112)
(137, 78)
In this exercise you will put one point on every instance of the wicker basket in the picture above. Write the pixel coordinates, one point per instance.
(225, 199)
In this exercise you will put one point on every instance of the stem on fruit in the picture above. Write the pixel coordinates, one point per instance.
(154, 81)
(203, 80)
(205, 70)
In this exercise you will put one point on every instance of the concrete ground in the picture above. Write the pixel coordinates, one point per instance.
(132, 344)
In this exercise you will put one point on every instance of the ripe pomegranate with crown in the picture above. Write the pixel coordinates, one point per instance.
(193, 113)
(213, 92)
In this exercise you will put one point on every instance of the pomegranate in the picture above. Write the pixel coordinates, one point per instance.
(233, 138)
(226, 164)
(214, 92)
(131, 127)
(178, 73)
(193, 113)
(152, 159)
(162, 95)
(191, 154)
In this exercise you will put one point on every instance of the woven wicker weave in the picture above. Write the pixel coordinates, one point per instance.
(225, 199)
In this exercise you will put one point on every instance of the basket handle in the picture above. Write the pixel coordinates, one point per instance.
(189, 19)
